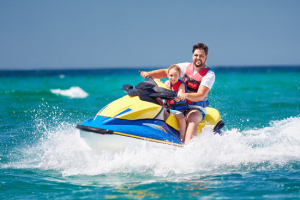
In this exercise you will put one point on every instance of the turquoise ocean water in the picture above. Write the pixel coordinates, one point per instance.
(42, 155)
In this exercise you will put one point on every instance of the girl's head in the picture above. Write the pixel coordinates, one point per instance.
(174, 72)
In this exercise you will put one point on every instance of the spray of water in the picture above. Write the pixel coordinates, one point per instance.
(60, 148)
(73, 92)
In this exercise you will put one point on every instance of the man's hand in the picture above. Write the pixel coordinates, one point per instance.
(144, 74)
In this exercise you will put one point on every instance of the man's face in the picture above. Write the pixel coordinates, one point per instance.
(199, 58)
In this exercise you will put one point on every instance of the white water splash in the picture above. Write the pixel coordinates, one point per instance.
(73, 92)
(268, 148)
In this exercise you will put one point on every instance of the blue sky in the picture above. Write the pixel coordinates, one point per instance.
(133, 33)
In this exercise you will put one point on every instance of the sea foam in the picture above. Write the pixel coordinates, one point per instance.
(273, 147)
(73, 92)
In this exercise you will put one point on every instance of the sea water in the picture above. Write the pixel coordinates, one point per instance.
(42, 155)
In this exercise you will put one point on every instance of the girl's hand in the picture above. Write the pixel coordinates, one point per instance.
(157, 80)
(181, 96)
(177, 99)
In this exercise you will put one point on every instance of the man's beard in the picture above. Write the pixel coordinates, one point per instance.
(202, 65)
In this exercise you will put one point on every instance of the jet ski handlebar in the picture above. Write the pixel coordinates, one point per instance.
(149, 78)
(149, 91)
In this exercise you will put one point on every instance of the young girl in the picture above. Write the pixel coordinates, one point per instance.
(176, 106)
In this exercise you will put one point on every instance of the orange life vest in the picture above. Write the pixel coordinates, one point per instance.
(193, 83)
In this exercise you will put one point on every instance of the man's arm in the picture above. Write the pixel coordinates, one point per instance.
(199, 96)
(160, 73)
(206, 83)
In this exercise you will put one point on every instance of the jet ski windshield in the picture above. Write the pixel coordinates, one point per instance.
(149, 91)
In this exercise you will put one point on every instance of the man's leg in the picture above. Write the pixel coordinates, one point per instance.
(194, 117)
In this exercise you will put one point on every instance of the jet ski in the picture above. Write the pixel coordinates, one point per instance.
(140, 117)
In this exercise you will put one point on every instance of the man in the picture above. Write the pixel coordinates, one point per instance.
(199, 80)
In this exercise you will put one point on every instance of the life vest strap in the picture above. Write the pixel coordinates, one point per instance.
(177, 105)
(188, 79)
(182, 106)
(190, 89)
(203, 104)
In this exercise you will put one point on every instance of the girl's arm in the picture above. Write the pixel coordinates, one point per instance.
(181, 90)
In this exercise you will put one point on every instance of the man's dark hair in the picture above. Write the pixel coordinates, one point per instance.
(201, 46)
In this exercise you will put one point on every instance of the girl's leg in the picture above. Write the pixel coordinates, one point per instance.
(181, 119)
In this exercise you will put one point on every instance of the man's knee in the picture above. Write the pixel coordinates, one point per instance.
(194, 117)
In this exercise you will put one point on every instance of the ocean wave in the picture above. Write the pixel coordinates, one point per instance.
(273, 147)
(73, 92)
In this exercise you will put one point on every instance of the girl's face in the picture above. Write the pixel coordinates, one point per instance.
(173, 76)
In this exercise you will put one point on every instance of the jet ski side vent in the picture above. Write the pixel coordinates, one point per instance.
(94, 130)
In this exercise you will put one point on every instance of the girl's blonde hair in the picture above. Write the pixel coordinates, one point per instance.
(176, 67)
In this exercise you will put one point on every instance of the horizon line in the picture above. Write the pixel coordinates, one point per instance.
(142, 67)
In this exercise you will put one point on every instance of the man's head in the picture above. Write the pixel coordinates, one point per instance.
(201, 46)
(200, 51)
